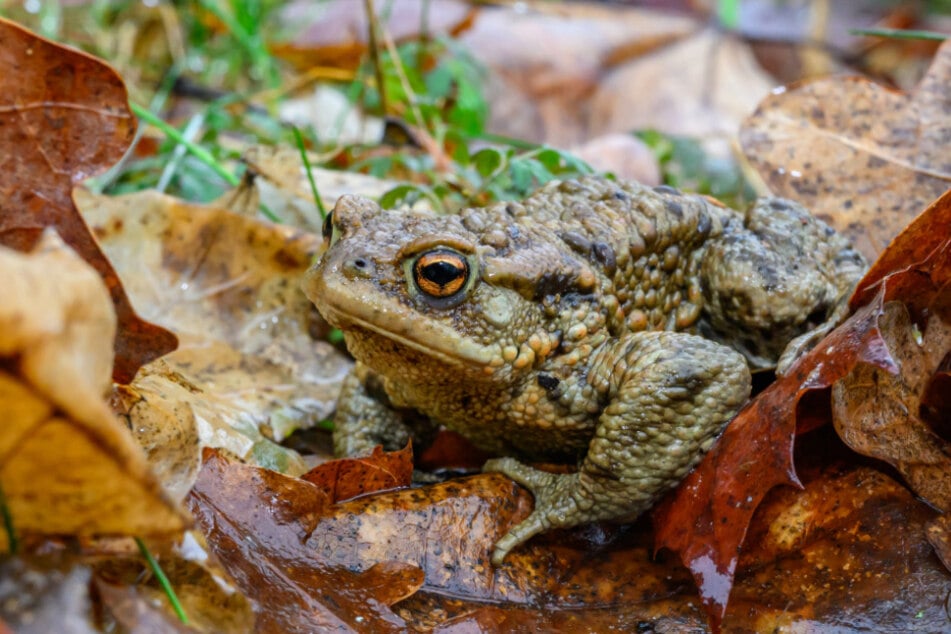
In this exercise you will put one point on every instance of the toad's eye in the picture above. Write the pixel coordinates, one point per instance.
(440, 273)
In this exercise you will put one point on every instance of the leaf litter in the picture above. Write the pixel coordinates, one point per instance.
(417, 556)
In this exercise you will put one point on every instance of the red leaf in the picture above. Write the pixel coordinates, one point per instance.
(351, 477)
(64, 117)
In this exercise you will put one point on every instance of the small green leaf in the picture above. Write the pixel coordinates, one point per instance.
(487, 161)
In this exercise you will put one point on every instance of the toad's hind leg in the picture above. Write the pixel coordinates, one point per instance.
(668, 395)
(777, 283)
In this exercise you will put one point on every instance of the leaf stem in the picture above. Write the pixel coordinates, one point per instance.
(163, 581)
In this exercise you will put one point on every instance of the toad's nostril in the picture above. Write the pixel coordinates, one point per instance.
(358, 266)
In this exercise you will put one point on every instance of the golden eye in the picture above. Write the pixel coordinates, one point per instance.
(440, 273)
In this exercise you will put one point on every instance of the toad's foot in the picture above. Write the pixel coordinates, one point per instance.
(560, 501)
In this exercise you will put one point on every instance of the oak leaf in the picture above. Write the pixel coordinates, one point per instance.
(64, 117)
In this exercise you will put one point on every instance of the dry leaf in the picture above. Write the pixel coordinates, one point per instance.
(282, 183)
(67, 465)
(862, 157)
(877, 413)
(702, 87)
(64, 117)
(547, 60)
(249, 367)
(336, 31)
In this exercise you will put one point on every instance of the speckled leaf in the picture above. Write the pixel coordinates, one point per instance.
(349, 477)
(67, 464)
(705, 520)
(862, 157)
(257, 522)
(827, 558)
(251, 366)
(64, 117)
(877, 413)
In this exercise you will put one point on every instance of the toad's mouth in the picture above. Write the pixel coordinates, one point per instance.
(397, 323)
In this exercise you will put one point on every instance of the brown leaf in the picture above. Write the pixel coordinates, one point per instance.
(556, 70)
(939, 534)
(833, 556)
(257, 522)
(706, 518)
(339, 37)
(593, 579)
(136, 600)
(64, 117)
(877, 413)
(349, 477)
(67, 464)
(829, 556)
(862, 157)
(251, 368)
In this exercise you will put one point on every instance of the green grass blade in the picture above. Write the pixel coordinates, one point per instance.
(901, 34)
(163, 581)
(196, 150)
(298, 137)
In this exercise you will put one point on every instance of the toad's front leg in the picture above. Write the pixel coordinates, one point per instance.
(668, 396)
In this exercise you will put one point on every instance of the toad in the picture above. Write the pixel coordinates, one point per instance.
(606, 324)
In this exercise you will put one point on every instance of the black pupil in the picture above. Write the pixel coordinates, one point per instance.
(441, 272)
(328, 227)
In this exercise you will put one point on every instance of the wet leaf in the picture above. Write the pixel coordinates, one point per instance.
(257, 522)
(839, 555)
(64, 117)
(67, 464)
(350, 477)
(862, 157)
(251, 368)
(705, 520)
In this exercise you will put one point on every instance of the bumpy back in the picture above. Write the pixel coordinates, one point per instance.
(647, 242)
